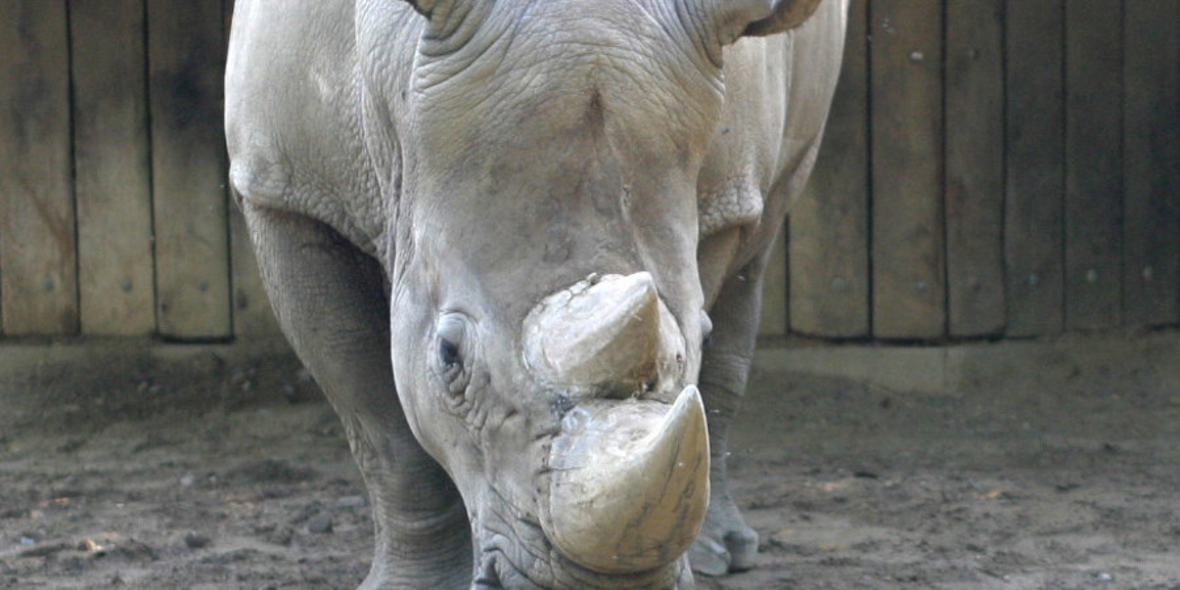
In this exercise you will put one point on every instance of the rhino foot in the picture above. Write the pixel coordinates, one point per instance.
(726, 543)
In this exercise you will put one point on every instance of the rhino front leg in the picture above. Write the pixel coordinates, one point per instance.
(726, 543)
(330, 301)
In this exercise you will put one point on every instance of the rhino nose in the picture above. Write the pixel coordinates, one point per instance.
(629, 483)
(612, 333)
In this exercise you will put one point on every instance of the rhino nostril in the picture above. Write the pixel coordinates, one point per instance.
(489, 576)
(562, 404)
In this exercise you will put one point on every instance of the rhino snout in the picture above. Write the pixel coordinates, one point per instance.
(628, 483)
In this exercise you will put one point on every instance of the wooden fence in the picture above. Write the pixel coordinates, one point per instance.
(114, 217)
(992, 168)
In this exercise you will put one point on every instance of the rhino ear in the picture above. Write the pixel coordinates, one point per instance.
(423, 7)
(786, 15)
(442, 11)
(739, 18)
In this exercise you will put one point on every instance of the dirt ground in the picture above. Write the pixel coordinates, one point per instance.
(1059, 468)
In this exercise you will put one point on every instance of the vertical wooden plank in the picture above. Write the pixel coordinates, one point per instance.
(974, 167)
(1094, 165)
(38, 277)
(908, 254)
(186, 64)
(829, 246)
(113, 182)
(252, 313)
(1034, 149)
(773, 319)
(1151, 229)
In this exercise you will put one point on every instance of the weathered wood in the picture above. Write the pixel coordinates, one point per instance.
(908, 254)
(773, 319)
(1094, 165)
(1035, 168)
(38, 256)
(974, 167)
(252, 312)
(829, 225)
(186, 61)
(1151, 227)
(112, 174)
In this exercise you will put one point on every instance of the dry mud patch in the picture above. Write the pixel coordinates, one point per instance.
(1058, 468)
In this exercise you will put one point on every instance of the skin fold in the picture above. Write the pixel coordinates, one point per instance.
(519, 244)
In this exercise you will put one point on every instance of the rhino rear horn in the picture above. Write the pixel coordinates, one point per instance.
(608, 331)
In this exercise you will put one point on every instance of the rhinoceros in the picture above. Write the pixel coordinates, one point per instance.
(520, 245)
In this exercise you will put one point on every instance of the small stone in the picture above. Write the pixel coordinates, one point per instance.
(320, 524)
(195, 540)
(1103, 577)
(280, 536)
(304, 375)
(356, 501)
(187, 480)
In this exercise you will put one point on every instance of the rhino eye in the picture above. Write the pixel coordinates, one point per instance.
(449, 352)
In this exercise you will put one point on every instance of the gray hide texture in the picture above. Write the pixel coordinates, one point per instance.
(520, 244)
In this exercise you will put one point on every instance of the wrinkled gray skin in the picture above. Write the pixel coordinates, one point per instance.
(423, 180)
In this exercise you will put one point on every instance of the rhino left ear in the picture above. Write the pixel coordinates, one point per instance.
(432, 8)
(423, 7)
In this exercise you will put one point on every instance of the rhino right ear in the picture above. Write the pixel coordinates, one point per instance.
(735, 19)
(786, 15)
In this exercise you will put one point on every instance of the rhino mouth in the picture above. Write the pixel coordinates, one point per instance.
(628, 483)
(626, 526)
(514, 553)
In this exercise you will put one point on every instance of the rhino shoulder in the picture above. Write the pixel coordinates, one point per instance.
(293, 123)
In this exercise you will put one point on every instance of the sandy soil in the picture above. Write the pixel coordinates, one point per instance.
(1061, 471)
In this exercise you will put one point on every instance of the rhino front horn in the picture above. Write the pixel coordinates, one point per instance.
(628, 483)
(612, 331)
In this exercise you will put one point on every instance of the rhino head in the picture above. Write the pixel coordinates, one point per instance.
(541, 159)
